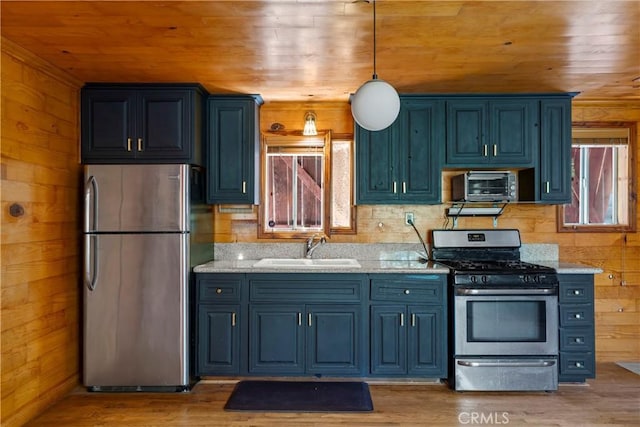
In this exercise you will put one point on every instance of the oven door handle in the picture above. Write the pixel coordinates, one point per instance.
(505, 292)
(515, 364)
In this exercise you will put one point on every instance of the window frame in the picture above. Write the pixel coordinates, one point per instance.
(632, 203)
(293, 139)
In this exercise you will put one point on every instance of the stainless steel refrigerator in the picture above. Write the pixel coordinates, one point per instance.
(136, 277)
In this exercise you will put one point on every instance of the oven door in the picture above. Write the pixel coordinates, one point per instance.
(505, 322)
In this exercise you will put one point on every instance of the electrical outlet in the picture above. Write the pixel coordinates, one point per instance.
(408, 218)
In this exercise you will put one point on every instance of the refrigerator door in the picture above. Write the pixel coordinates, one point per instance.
(136, 198)
(135, 310)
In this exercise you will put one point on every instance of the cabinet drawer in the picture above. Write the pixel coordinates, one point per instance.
(576, 315)
(225, 289)
(577, 364)
(576, 292)
(430, 289)
(327, 288)
(577, 339)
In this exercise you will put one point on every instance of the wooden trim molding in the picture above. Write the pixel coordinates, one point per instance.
(23, 55)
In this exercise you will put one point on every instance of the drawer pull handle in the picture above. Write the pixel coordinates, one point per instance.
(309, 318)
(401, 319)
(395, 190)
(128, 144)
(244, 187)
(413, 319)
(495, 150)
(218, 291)
(233, 319)
(485, 150)
(407, 291)
(404, 187)
(139, 144)
(299, 319)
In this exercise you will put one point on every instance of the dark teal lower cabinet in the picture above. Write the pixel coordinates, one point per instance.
(319, 339)
(577, 328)
(276, 339)
(321, 324)
(408, 339)
(219, 340)
(220, 320)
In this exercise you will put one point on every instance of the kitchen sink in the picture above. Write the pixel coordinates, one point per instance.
(303, 263)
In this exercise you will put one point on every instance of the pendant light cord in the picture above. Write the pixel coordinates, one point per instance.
(375, 75)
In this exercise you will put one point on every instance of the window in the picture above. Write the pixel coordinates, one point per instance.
(299, 196)
(602, 178)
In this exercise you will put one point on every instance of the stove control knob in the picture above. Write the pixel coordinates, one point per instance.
(484, 279)
(526, 279)
(473, 279)
(536, 278)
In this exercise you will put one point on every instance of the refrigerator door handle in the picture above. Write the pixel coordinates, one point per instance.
(90, 204)
(90, 261)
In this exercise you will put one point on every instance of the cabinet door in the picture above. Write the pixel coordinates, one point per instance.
(467, 127)
(426, 342)
(333, 339)
(555, 151)
(421, 136)
(233, 151)
(513, 132)
(388, 340)
(164, 125)
(376, 170)
(218, 351)
(276, 339)
(108, 125)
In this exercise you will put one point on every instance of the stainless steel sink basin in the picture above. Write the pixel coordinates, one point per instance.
(304, 263)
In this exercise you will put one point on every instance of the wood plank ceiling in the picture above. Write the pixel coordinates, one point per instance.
(322, 50)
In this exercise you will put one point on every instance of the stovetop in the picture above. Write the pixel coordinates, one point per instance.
(496, 267)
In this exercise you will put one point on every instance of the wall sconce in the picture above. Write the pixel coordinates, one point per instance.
(310, 124)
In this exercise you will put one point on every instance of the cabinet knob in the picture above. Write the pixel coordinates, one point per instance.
(578, 316)
(579, 365)
(218, 291)
(407, 291)
(576, 292)
(578, 340)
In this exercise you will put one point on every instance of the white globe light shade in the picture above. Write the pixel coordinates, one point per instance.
(375, 105)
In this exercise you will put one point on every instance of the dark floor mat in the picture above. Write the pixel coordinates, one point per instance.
(300, 396)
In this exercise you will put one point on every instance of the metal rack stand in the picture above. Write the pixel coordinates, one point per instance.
(459, 209)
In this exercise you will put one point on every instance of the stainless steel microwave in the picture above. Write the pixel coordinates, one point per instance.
(485, 186)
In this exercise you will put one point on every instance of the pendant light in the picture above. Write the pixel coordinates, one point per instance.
(376, 104)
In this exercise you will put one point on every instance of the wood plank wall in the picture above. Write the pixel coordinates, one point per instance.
(40, 249)
(618, 254)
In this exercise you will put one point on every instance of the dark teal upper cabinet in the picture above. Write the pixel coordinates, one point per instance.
(233, 149)
(141, 123)
(555, 151)
(401, 164)
(483, 132)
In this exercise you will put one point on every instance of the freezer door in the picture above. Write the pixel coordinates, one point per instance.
(135, 310)
(136, 198)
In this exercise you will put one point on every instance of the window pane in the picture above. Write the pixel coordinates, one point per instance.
(601, 194)
(341, 184)
(294, 204)
(309, 192)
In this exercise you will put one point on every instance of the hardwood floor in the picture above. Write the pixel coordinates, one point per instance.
(611, 399)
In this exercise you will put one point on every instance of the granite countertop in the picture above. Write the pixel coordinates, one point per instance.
(373, 258)
(366, 266)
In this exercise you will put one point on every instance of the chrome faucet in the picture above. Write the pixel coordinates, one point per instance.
(310, 246)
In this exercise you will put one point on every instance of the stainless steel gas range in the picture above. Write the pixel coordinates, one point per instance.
(503, 313)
